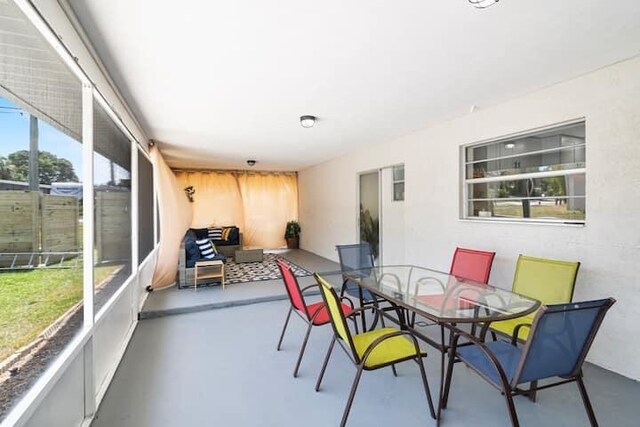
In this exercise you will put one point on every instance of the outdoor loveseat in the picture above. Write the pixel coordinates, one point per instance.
(189, 252)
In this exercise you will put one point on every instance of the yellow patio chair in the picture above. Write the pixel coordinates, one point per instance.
(370, 350)
(547, 280)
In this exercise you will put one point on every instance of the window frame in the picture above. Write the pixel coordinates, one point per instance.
(395, 181)
(80, 349)
(465, 183)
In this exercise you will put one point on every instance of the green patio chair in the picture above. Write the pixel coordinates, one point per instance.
(549, 281)
(370, 350)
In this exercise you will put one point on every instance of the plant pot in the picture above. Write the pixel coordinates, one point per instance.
(293, 242)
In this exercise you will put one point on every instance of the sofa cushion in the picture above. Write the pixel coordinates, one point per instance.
(192, 253)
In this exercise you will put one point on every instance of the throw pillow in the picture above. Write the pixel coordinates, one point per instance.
(234, 236)
(225, 233)
(201, 233)
(215, 233)
(206, 248)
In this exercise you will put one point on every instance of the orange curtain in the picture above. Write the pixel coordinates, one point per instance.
(269, 201)
(217, 200)
(175, 218)
(259, 203)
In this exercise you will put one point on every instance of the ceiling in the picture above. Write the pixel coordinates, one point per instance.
(220, 82)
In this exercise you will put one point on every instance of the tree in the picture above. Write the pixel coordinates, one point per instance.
(7, 170)
(51, 167)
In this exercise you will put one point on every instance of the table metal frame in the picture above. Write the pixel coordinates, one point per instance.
(449, 323)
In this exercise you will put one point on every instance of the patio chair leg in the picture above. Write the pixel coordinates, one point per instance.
(352, 394)
(512, 409)
(532, 391)
(393, 368)
(442, 367)
(586, 401)
(304, 345)
(284, 328)
(362, 304)
(326, 362)
(355, 325)
(447, 385)
(423, 374)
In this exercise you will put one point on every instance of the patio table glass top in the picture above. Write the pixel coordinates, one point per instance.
(442, 297)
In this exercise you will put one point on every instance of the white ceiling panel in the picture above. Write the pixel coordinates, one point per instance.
(219, 82)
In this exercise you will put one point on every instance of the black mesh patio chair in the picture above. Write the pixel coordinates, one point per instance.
(557, 345)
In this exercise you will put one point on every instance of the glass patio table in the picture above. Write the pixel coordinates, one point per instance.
(444, 299)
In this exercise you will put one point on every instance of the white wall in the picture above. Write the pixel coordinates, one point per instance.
(608, 246)
(392, 226)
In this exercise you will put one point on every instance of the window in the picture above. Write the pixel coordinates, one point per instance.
(112, 202)
(538, 176)
(398, 183)
(145, 207)
(41, 266)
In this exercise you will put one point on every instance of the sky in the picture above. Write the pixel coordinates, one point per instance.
(14, 136)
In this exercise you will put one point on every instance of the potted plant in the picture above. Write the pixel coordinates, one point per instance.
(292, 234)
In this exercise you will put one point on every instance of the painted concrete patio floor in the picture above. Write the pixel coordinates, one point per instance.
(220, 368)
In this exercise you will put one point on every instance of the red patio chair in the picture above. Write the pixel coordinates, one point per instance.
(314, 314)
(469, 264)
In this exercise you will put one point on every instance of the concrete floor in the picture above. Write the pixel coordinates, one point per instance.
(219, 367)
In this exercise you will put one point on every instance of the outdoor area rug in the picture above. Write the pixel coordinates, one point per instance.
(258, 271)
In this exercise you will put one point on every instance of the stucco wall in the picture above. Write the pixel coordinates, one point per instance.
(608, 245)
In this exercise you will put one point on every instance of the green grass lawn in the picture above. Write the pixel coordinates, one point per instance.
(539, 211)
(31, 300)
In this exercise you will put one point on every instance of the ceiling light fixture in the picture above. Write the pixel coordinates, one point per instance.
(483, 4)
(251, 162)
(307, 121)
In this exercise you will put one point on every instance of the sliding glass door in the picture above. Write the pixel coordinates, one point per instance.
(381, 213)
(369, 223)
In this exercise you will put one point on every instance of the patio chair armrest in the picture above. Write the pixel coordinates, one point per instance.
(394, 276)
(378, 311)
(516, 332)
(423, 280)
(306, 288)
(383, 338)
(358, 310)
(492, 358)
(348, 301)
(483, 332)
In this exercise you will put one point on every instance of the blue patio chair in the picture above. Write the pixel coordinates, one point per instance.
(558, 343)
(357, 259)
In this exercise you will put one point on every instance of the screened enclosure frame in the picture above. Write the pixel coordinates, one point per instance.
(81, 347)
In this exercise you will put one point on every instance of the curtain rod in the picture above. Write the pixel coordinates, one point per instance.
(235, 171)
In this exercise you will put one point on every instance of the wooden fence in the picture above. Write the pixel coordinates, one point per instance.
(31, 222)
(113, 226)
